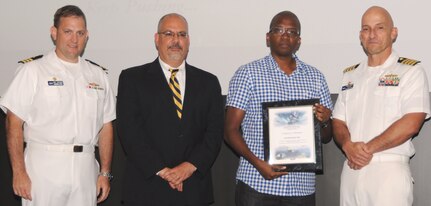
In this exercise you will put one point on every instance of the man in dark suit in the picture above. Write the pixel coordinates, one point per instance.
(170, 123)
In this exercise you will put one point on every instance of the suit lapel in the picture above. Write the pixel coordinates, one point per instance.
(190, 93)
(160, 83)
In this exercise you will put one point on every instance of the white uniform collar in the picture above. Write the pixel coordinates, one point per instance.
(388, 62)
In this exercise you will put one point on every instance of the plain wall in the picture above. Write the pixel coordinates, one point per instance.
(224, 34)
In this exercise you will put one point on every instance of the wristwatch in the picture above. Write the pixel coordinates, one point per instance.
(107, 174)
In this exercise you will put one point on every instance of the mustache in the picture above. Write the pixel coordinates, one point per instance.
(175, 46)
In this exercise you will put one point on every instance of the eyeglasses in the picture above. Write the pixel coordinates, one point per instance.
(171, 34)
(279, 31)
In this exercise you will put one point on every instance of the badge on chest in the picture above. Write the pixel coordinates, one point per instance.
(55, 82)
(389, 80)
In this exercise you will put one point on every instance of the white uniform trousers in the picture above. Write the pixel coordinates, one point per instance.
(61, 176)
(386, 181)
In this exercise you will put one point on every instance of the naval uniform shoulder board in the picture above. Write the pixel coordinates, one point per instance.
(408, 61)
(351, 68)
(94, 63)
(30, 59)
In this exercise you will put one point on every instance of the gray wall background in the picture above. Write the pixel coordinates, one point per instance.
(224, 34)
(224, 169)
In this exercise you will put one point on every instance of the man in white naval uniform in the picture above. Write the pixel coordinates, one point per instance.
(383, 103)
(62, 106)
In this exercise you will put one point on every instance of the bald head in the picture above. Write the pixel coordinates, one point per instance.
(377, 34)
(170, 16)
(378, 12)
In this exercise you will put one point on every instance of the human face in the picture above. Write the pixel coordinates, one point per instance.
(70, 38)
(377, 32)
(284, 44)
(172, 40)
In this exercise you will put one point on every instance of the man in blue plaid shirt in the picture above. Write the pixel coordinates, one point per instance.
(280, 76)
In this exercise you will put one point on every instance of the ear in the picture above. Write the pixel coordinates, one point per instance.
(88, 36)
(53, 31)
(156, 40)
(298, 45)
(394, 34)
(267, 40)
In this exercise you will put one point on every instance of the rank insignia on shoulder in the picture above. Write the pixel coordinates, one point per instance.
(94, 63)
(348, 86)
(351, 68)
(30, 59)
(408, 61)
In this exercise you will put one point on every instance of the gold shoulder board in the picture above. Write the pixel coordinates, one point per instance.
(408, 61)
(351, 68)
(30, 59)
(94, 63)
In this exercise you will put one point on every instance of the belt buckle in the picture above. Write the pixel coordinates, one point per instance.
(78, 148)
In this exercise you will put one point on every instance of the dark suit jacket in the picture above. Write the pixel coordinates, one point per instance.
(153, 137)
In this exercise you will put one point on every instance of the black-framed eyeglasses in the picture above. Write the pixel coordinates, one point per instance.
(171, 34)
(279, 31)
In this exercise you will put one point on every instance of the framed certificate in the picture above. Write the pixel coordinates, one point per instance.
(292, 135)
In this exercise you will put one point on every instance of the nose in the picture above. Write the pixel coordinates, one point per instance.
(373, 33)
(74, 38)
(175, 36)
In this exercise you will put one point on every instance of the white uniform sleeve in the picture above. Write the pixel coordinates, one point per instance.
(19, 96)
(414, 89)
(339, 111)
(109, 105)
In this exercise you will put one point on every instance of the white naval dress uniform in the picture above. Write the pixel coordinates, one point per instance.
(372, 98)
(62, 105)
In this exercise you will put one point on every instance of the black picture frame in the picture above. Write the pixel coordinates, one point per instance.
(316, 167)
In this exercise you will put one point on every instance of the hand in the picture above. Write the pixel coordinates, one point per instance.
(270, 172)
(322, 113)
(22, 185)
(357, 154)
(103, 187)
(164, 174)
(177, 175)
(178, 187)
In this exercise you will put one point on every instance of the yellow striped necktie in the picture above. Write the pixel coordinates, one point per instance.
(175, 87)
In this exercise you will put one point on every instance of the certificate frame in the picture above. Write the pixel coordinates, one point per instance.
(292, 135)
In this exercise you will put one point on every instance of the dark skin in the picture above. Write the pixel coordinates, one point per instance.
(282, 48)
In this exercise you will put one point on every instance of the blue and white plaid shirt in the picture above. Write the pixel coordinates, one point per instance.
(263, 81)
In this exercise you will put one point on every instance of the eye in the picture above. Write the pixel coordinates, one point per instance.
(81, 33)
(277, 30)
(292, 32)
(168, 34)
(182, 34)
